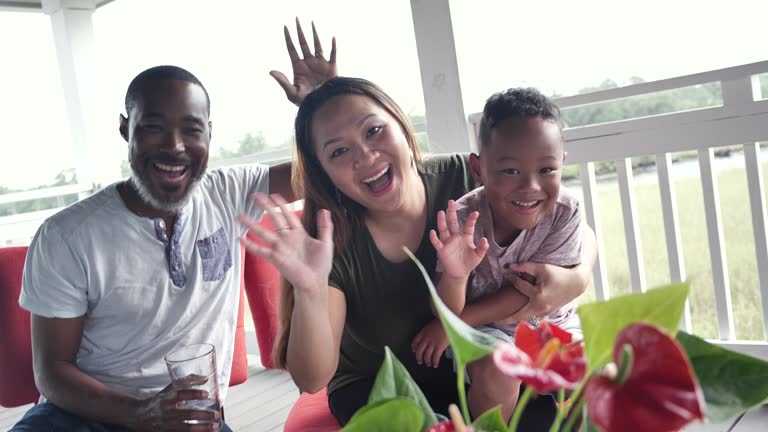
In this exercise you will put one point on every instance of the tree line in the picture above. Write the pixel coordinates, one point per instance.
(681, 99)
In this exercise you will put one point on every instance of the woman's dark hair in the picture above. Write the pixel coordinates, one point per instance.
(310, 181)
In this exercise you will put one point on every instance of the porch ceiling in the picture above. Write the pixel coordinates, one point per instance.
(34, 5)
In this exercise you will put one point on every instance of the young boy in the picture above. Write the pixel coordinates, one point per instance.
(521, 214)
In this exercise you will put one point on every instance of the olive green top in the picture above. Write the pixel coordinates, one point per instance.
(388, 303)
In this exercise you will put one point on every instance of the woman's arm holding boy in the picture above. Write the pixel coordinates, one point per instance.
(554, 286)
(527, 296)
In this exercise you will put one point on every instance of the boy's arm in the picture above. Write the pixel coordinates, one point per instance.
(452, 291)
(554, 286)
(495, 307)
(457, 253)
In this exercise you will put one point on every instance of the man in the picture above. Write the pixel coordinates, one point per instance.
(116, 281)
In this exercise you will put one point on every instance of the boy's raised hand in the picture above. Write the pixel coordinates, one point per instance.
(456, 245)
(310, 71)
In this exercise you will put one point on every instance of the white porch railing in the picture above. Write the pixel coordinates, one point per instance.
(18, 229)
(742, 118)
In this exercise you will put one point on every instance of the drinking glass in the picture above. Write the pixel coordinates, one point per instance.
(194, 367)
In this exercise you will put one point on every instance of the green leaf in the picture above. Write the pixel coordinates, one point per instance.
(602, 321)
(398, 414)
(732, 382)
(586, 422)
(490, 421)
(467, 343)
(393, 380)
(590, 427)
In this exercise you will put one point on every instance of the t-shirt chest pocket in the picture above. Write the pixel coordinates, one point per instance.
(215, 254)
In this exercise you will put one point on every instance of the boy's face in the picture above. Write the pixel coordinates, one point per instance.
(520, 167)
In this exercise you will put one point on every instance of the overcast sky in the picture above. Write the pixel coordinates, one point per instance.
(558, 46)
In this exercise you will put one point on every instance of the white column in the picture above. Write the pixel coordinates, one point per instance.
(72, 25)
(446, 121)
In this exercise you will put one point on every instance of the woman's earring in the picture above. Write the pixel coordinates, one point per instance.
(338, 201)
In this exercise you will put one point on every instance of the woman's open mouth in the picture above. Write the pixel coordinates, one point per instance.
(379, 181)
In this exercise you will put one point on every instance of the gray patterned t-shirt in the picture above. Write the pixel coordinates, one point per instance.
(556, 239)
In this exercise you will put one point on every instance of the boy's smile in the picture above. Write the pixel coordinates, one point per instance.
(520, 167)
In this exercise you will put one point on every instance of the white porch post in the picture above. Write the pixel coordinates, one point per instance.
(446, 121)
(73, 33)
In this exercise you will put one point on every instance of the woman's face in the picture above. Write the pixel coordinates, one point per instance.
(364, 151)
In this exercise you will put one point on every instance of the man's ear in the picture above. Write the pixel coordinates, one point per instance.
(565, 154)
(210, 131)
(124, 127)
(474, 166)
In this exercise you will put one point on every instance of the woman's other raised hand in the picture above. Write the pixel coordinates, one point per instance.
(309, 70)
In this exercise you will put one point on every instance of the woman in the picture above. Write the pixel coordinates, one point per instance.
(352, 289)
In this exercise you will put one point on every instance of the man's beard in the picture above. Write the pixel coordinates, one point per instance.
(140, 185)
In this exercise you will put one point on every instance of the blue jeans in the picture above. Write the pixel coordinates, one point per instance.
(50, 418)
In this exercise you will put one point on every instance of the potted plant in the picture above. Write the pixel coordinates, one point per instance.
(633, 371)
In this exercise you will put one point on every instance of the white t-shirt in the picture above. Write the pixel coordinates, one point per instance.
(143, 294)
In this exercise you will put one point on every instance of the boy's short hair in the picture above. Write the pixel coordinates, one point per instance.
(518, 103)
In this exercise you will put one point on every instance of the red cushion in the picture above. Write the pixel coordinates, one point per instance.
(311, 414)
(262, 285)
(17, 381)
(239, 372)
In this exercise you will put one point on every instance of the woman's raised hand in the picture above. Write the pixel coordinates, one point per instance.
(303, 260)
(456, 245)
(310, 71)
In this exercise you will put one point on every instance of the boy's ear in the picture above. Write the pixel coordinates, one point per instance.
(474, 166)
(123, 127)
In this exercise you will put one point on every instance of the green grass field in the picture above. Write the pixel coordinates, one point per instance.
(740, 251)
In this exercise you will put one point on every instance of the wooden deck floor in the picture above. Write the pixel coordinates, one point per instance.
(260, 404)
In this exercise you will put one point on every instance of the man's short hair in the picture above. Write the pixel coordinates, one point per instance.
(518, 103)
(158, 73)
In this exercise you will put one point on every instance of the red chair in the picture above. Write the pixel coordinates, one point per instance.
(310, 413)
(17, 381)
(239, 373)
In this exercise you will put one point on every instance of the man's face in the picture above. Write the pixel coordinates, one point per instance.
(168, 134)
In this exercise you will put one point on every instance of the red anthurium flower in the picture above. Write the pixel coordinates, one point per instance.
(659, 392)
(543, 357)
(447, 426)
